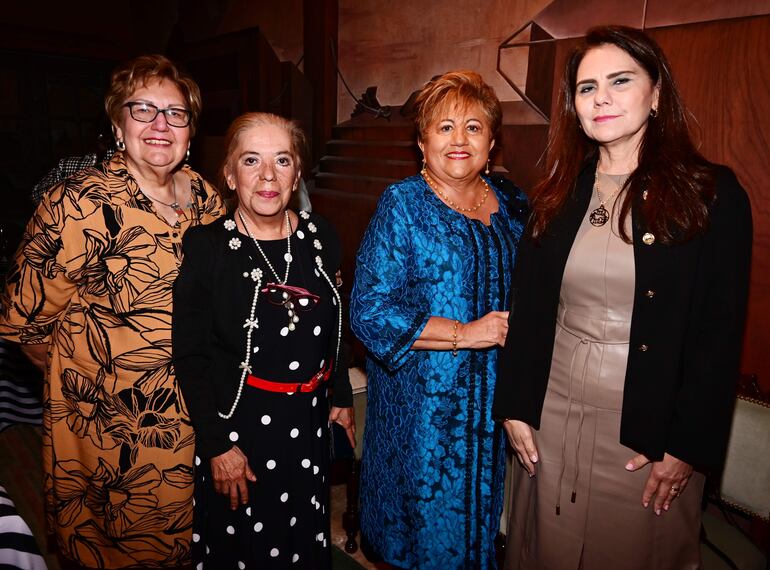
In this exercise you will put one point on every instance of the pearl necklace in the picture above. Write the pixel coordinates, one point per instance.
(437, 190)
(252, 322)
(287, 256)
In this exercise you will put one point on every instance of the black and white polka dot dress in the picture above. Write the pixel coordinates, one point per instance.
(285, 436)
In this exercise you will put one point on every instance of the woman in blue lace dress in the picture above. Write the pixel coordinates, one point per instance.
(429, 302)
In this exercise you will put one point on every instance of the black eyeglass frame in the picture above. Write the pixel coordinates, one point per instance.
(166, 111)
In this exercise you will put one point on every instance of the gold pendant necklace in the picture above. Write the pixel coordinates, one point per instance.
(432, 183)
(599, 216)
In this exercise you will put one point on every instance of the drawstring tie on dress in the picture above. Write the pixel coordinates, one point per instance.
(583, 341)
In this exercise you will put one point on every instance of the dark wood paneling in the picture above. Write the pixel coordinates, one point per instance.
(524, 147)
(321, 18)
(723, 72)
(660, 13)
(539, 70)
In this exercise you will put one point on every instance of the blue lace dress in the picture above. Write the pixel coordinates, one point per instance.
(433, 460)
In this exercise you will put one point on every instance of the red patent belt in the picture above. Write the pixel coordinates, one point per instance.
(318, 378)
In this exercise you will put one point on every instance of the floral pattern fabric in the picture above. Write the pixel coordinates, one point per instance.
(93, 278)
(433, 459)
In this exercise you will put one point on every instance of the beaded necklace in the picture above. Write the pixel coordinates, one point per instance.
(435, 188)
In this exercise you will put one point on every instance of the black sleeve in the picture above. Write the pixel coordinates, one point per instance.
(701, 422)
(342, 393)
(519, 392)
(192, 323)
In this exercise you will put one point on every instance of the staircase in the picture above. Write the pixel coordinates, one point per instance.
(365, 155)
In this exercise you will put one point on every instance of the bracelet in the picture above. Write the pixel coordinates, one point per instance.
(454, 339)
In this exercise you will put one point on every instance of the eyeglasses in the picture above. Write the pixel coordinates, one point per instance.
(295, 298)
(146, 112)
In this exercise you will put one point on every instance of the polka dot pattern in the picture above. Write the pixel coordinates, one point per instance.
(278, 432)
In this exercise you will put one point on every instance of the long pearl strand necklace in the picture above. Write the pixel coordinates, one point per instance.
(252, 322)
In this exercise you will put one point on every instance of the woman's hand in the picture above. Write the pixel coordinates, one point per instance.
(488, 331)
(667, 480)
(523, 443)
(230, 472)
(346, 417)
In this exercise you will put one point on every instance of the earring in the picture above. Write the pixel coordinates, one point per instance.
(187, 156)
(120, 144)
(653, 113)
(487, 170)
(423, 164)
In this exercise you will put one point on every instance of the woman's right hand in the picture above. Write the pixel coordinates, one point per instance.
(490, 330)
(230, 472)
(523, 443)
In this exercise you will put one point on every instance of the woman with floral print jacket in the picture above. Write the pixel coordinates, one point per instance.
(89, 298)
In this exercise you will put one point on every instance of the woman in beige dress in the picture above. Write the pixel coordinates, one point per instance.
(617, 373)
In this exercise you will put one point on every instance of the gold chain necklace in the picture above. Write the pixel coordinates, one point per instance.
(600, 215)
(437, 190)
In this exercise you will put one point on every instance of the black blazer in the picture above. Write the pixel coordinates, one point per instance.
(207, 326)
(686, 327)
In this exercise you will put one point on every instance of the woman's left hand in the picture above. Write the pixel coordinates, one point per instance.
(347, 419)
(666, 482)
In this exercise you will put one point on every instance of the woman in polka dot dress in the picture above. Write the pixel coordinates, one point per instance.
(256, 337)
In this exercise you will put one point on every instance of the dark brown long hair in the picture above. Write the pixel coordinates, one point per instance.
(678, 180)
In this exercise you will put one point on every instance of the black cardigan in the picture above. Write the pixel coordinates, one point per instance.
(207, 367)
(686, 327)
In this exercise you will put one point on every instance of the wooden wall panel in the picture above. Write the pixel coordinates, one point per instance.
(660, 13)
(723, 72)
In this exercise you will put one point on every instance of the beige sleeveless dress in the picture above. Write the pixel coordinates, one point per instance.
(601, 523)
